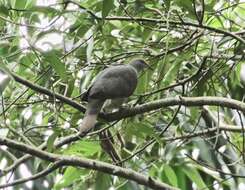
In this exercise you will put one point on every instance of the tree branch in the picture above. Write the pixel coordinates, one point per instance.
(89, 164)
(175, 101)
(48, 92)
(154, 105)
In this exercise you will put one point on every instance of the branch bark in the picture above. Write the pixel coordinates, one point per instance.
(87, 163)
(47, 92)
(175, 101)
(154, 105)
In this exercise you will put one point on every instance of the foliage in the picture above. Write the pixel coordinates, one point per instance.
(196, 48)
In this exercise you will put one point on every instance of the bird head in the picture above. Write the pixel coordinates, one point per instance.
(139, 64)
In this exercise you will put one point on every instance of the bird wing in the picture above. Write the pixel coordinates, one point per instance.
(114, 82)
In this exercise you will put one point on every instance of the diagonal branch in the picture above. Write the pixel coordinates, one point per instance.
(48, 92)
(89, 164)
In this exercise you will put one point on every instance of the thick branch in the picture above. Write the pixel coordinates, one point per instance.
(175, 101)
(154, 105)
(89, 164)
(63, 141)
(71, 138)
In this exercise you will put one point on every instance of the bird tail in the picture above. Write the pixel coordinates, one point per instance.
(91, 114)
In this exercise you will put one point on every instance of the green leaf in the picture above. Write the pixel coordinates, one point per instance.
(83, 29)
(55, 62)
(182, 182)
(71, 84)
(145, 128)
(102, 181)
(50, 141)
(83, 148)
(140, 130)
(169, 172)
(107, 6)
(171, 73)
(194, 113)
(3, 10)
(30, 3)
(71, 175)
(187, 6)
(142, 84)
(146, 34)
(25, 61)
(20, 4)
(194, 176)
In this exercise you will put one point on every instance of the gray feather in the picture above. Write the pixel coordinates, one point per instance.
(116, 82)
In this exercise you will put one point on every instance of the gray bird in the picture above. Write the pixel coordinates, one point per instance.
(115, 83)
